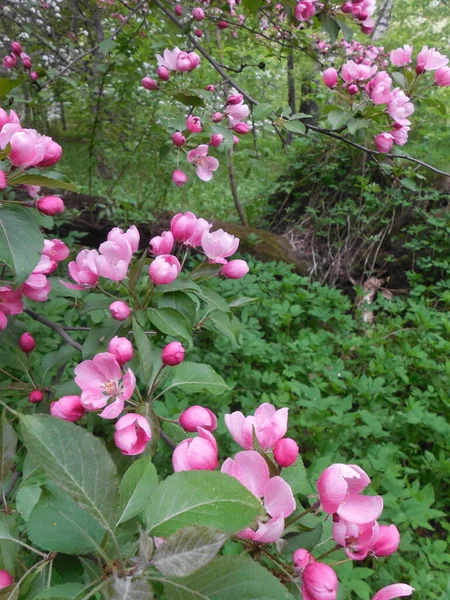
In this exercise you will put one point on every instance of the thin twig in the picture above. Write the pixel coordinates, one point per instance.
(58, 328)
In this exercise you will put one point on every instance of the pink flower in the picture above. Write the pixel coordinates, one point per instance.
(241, 128)
(429, 59)
(16, 48)
(442, 77)
(173, 354)
(396, 590)
(196, 454)
(119, 310)
(169, 59)
(5, 119)
(216, 140)
(10, 304)
(234, 99)
(3, 181)
(357, 540)
(235, 269)
(27, 343)
(27, 146)
(400, 107)
(183, 62)
(204, 165)
(56, 250)
(162, 244)
(302, 558)
(26, 60)
(384, 142)
(164, 269)
(68, 408)
(219, 244)
(401, 56)
(50, 205)
(149, 84)
(269, 425)
(6, 578)
(195, 239)
(53, 152)
(353, 72)
(100, 380)
(236, 113)
(35, 396)
(388, 541)
(178, 10)
(250, 469)
(198, 416)
(198, 14)
(132, 434)
(83, 270)
(121, 348)
(182, 226)
(330, 77)
(304, 10)
(285, 452)
(114, 259)
(163, 73)
(217, 117)
(320, 582)
(379, 88)
(179, 178)
(178, 139)
(194, 124)
(36, 287)
(400, 135)
(131, 235)
(9, 62)
(194, 60)
(339, 487)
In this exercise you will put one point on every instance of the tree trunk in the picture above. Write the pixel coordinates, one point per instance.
(383, 20)
(291, 91)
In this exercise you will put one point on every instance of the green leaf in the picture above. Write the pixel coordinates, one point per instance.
(7, 85)
(189, 100)
(181, 302)
(99, 337)
(27, 497)
(213, 299)
(8, 443)
(355, 125)
(179, 285)
(129, 589)
(399, 79)
(46, 181)
(305, 539)
(196, 377)
(21, 241)
(203, 498)
(58, 524)
(207, 270)
(262, 111)
(144, 351)
(9, 549)
(188, 550)
(297, 478)
(299, 115)
(228, 577)
(171, 322)
(252, 5)
(295, 126)
(55, 360)
(76, 461)
(410, 184)
(107, 45)
(339, 118)
(330, 26)
(220, 322)
(64, 591)
(95, 302)
(135, 488)
(242, 301)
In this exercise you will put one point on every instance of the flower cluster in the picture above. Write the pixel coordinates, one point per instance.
(17, 58)
(174, 61)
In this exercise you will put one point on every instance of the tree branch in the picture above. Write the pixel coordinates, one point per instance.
(58, 328)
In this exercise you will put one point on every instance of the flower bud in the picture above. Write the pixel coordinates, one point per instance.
(198, 14)
(196, 454)
(302, 558)
(121, 348)
(346, 7)
(210, 88)
(68, 408)
(353, 89)
(367, 29)
(50, 205)
(119, 310)
(164, 269)
(16, 48)
(183, 225)
(34, 76)
(222, 25)
(442, 77)
(179, 177)
(36, 396)
(27, 343)
(198, 416)
(149, 84)
(178, 139)
(241, 128)
(26, 60)
(163, 73)
(235, 99)
(216, 140)
(132, 434)
(330, 77)
(388, 542)
(194, 124)
(173, 354)
(162, 244)
(235, 269)
(183, 63)
(178, 10)
(217, 117)
(236, 140)
(198, 33)
(194, 59)
(384, 142)
(3, 182)
(285, 452)
(53, 153)
(9, 62)
(6, 578)
(320, 582)
(420, 69)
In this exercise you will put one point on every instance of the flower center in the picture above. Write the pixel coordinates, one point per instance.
(110, 388)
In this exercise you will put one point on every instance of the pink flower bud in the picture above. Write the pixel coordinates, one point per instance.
(121, 348)
(222, 25)
(6, 578)
(132, 434)
(9, 62)
(50, 205)
(183, 63)
(420, 69)
(3, 182)
(235, 99)
(149, 84)
(216, 140)
(236, 140)
(367, 29)
(16, 48)
(235, 269)
(320, 582)
(183, 225)
(173, 354)
(36, 396)
(198, 33)
(119, 310)
(241, 128)
(162, 244)
(164, 269)
(178, 10)
(178, 139)
(396, 590)
(384, 142)
(198, 416)
(27, 343)
(198, 14)
(194, 124)
(196, 454)
(26, 60)
(302, 558)
(179, 177)
(210, 88)
(346, 7)
(442, 77)
(194, 60)
(217, 117)
(388, 542)
(68, 408)
(330, 77)
(52, 153)
(34, 76)
(163, 73)
(353, 89)
(285, 452)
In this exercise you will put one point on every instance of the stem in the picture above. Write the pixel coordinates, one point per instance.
(337, 547)
(58, 328)
(276, 561)
(302, 514)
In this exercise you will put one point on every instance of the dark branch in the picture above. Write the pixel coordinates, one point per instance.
(58, 328)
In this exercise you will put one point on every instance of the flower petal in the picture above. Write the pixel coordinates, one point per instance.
(361, 509)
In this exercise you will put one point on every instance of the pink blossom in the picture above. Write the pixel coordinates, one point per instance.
(357, 540)
(401, 56)
(114, 259)
(9, 62)
(250, 469)
(26, 60)
(304, 10)
(195, 239)
(194, 124)
(319, 582)
(241, 128)
(173, 354)
(6, 579)
(132, 434)
(3, 181)
(179, 177)
(10, 303)
(219, 244)
(198, 416)
(400, 107)
(56, 250)
(162, 244)
(178, 139)
(100, 380)
(198, 14)
(121, 348)
(119, 310)
(83, 270)
(236, 113)
(182, 226)
(388, 541)
(169, 59)
(204, 165)
(68, 408)
(183, 62)
(27, 146)
(234, 99)
(27, 343)
(35, 396)
(302, 558)
(396, 590)
(442, 77)
(178, 10)
(330, 77)
(5, 119)
(339, 487)
(379, 88)
(53, 152)
(285, 452)
(50, 205)
(196, 454)
(149, 84)
(194, 59)
(384, 142)
(269, 425)
(400, 135)
(429, 59)
(34, 76)
(164, 269)
(216, 140)
(217, 117)
(131, 235)
(353, 72)
(163, 73)
(235, 269)
(36, 287)
(16, 48)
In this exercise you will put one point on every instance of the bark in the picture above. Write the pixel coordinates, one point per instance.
(383, 20)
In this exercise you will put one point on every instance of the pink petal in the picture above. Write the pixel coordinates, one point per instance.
(396, 590)
(108, 365)
(332, 488)
(266, 532)
(113, 410)
(129, 384)
(127, 437)
(252, 471)
(361, 509)
(72, 286)
(204, 173)
(357, 484)
(278, 497)
(212, 163)
(235, 425)
(88, 375)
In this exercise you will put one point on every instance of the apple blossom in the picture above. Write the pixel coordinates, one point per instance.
(36, 396)
(169, 59)
(121, 348)
(56, 250)
(268, 424)
(149, 84)
(36, 287)
(400, 107)
(26, 60)
(401, 56)
(330, 77)
(162, 244)
(178, 10)
(6, 579)
(173, 354)
(163, 73)
(396, 590)
(285, 452)
(119, 310)
(50, 205)
(388, 541)
(3, 181)
(194, 124)
(217, 117)
(52, 153)
(179, 177)
(198, 14)
(83, 270)
(27, 343)
(304, 10)
(195, 239)
(204, 165)
(384, 142)
(216, 140)
(16, 48)
(302, 558)
(10, 303)
(68, 408)
(219, 244)
(9, 62)
(222, 25)
(196, 454)
(132, 434)
(429, 59)
(357, 540)
(164, 269)
(198, 416)
(178, 139)
(319, 582)
(442, 77)
(182, 226)
(235, 269)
